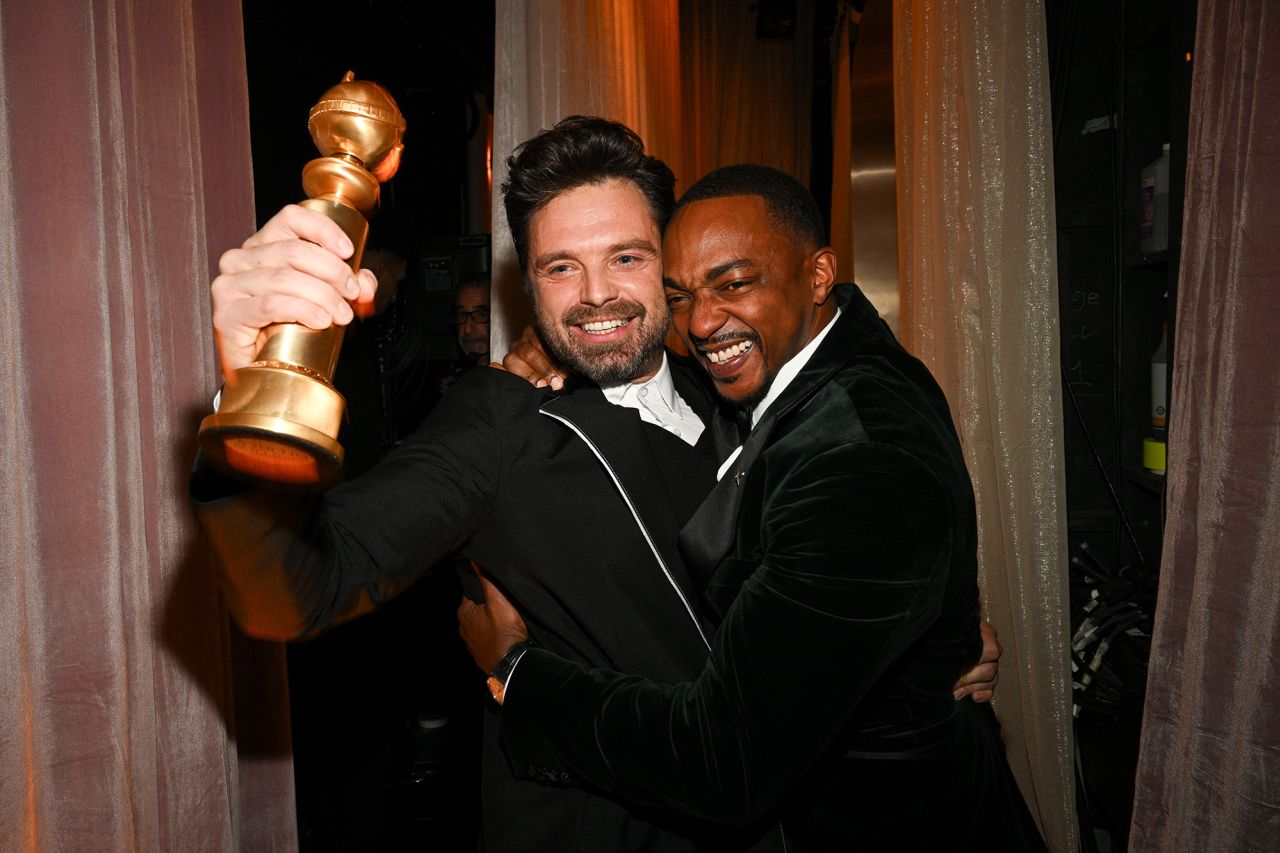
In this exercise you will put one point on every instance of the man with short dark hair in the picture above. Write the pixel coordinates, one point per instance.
(838, 552)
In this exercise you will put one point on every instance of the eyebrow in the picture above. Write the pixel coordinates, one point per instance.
(632, 245)
(728, 266)
(713, 273)
(626, 246)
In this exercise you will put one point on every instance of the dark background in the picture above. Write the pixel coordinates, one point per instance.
(1129, 64)
(386, 710)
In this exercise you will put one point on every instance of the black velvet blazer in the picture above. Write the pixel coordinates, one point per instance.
(556, 496)
(849, 602)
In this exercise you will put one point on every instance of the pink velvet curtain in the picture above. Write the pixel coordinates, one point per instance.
(1209, 771)
(125, 170)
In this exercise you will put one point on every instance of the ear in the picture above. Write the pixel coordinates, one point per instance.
(822, 263)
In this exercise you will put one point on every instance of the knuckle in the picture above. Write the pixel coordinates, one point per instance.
(300, 255)
(219, 286)
(227, 261)
(271, 305)
(279, 279)
(292, 215)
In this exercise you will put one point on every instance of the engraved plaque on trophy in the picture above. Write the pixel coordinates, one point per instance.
(279, 416)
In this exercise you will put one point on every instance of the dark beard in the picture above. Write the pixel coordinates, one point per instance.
(604, 364)
(749, 402)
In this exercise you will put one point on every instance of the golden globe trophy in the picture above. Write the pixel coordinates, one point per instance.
(279, 416)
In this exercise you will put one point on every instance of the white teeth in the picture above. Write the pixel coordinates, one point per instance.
(718, 356)
(600, 326)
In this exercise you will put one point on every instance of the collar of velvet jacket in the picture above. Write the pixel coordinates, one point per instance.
(857, 324)
(709, 535)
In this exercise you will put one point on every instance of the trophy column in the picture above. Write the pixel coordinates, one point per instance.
(279, 417)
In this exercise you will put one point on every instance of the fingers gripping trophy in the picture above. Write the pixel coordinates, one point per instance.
(279, 416)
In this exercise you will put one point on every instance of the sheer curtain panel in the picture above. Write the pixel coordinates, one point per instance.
(980, 307)
(125, 172)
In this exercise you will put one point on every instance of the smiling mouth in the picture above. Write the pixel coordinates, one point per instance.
(604, 327)
(727, 354)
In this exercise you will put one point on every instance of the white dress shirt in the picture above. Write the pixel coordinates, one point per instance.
(786, 374)
(658, 403)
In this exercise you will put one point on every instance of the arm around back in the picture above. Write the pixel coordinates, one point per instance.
(851, 569)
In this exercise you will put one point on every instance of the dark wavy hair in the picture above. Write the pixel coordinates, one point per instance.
(578, 151)
(790, 204)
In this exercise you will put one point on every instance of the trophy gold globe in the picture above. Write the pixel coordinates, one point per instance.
(279, 417)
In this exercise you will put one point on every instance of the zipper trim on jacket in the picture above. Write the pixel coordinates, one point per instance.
(639, 523)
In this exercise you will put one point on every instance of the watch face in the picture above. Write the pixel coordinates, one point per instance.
(496, 688)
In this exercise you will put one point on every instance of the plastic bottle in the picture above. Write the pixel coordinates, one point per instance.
(1153, 226)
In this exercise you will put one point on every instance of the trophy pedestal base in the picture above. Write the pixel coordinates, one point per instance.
(278, 426)
(271, 450)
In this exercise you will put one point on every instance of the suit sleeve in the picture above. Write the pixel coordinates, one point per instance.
(292, 565)
(853, 571)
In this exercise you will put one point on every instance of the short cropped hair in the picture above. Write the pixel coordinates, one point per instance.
(789, 202)
(578, 151)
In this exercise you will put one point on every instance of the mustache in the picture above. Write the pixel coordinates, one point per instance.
(725, 337)
(616, 310)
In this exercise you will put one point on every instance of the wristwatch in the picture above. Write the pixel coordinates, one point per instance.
(501, 671)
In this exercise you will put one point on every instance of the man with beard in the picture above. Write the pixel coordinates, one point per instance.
(838, 552)
(571, 500)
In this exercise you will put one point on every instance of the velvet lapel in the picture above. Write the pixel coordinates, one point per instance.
(857, 324)
(615, 434)
(709, 535)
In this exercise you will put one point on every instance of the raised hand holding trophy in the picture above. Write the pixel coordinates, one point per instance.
(279, 416)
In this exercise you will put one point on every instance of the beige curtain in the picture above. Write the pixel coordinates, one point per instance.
(1209, 772)
(126, 165)
(979, 306)
(690, 77)
(746, 99)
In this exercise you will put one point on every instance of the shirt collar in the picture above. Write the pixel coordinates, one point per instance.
(658, 402)
(790, 370)
(661, 383)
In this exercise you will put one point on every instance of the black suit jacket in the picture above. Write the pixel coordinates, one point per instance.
(556, 496)
(847, 588)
